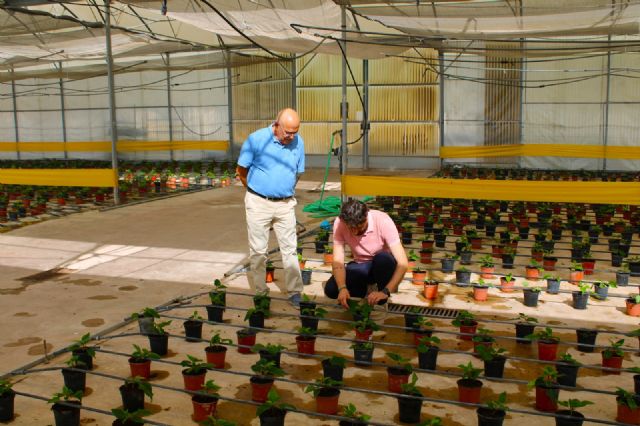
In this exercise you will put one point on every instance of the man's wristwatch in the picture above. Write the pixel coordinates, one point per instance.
(342, 288)
(386, 291)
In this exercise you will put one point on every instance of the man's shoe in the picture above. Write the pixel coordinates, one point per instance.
(294, 299)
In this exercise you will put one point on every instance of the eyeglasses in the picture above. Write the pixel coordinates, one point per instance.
(289, 134)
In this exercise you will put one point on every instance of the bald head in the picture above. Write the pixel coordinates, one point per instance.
(286, 125)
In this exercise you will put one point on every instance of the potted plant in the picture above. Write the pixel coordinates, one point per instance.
(627, 404)
(310, 316)
(507, 283)
(362, 352)
(532, 270)
(482, 337)
(263, 380)
(622, 277)
(205, 402)
(356, 417)
(269, 352)
(306, 340)
(193, 327)
(74, 374)
(270, 272)
(256, 316)
(553, 283)
(145, 320)
(586, 339)
(481, 291)
(411, 317)
(397, 374)
(410, 402)
(85, 353)
(333, 367)
(581, 296)
(412, 257)
(194, 372)
(531, 295)
(494, 360)
(547, 344)
(524, 327)
(272, 411)
(423, 327)
(492, 414)
(633, 305)
(326, 391)
(327, 256)
(140, 362)
(612, 357)
(133, 391)
(467, 323)
(576, 273)
(216, 351)
(463, 276)
(364, 328)
(359, 310)
(66, 407)
(215, 310)
(246, 339)
(128, 418)
(487, 267)
(602, 288)
(547, 390)
(7, 397)
(571, 417)
(430, 289)
(212, 421)
(418, 275)
(469, 386)
(508, 257)
(567, 368)
(159, 338)
(428, 352)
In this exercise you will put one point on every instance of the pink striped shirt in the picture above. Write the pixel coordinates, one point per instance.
(380, 235)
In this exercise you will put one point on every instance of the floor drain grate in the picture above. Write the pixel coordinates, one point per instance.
(429, 312)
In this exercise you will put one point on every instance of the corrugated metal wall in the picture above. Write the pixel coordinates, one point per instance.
(503, 101)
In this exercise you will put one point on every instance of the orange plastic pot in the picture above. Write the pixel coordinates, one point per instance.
(418, 277)
(270, 275)
(507, 286)
(430, 291)
(480, 294)
(576, 276)
(328, 258)
(532, 274)
(486, 272)
(633, 309)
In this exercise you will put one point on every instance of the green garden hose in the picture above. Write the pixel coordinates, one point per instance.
(331, 205)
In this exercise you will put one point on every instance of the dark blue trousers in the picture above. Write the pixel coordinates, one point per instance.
(359, 275)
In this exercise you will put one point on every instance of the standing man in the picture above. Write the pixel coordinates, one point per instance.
(379, 257)
(270, 164)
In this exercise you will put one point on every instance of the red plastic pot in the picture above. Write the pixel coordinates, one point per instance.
(469, 391)
(612, 362)
(216, 355)
(203, 407)
(396, 377)
(417, 335)
(193, 382)
(547, 351)
(470, 329)
(327, 401)
(306, 344)
(546, 398)
(364, 335)
(140, 369)
(588, 266)
(628, 415)
(246, 340)
(260, 387)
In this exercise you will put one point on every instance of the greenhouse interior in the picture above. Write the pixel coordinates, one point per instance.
(479, 159)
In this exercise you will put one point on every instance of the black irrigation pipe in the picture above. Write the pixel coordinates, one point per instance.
(83, 407)
(401, 345)
(334, 307)
(368, 391)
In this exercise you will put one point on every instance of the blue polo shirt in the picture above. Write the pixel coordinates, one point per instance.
(272, 166)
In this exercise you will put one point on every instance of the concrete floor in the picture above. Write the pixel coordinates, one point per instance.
(87, 272)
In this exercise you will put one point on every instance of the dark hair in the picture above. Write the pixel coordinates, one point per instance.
(354, 212)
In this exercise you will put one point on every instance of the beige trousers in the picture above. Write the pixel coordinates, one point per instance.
(261, 215)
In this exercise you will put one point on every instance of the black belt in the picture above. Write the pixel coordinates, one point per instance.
(268, 198)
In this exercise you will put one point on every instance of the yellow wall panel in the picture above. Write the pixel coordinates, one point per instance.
(410, 103)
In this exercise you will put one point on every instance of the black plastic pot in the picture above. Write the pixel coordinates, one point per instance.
(553, 286)
(601, 292)
(214, 313)
(159, 343)
(334, 372)
(65, 415)
(616, 259)
(306, 276)
(271, 357)
(447, 265)
(531, 298)
(319, 245)
(576, 418)
(309, 322)
(74, 380)
(409, 409)
(257, 320)
(363, 357)
(273, 417)
(507, 261)
(407, 237)
(85, 358)
(193, 330)
(489, 417)
(146, 325)
(132, 397)
(634, 267)
(495, 367)
(586, 336)
(465, 257)
(523, 232)
(7, 405)
(463, 277)
(428, 360)
(265, 302)
(622, 278)
(636, 384)
(567, 374)
(440, 240)
(410, 319)
(523, 329)
(580, 300)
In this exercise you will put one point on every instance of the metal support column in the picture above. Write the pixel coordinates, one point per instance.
(365, 114)
(294, 86)
(62, 112)
(15, 117)
(112, 101)
(169, 107)
(605, 136)
(441, 107)
(230, 106)
(343, 106)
